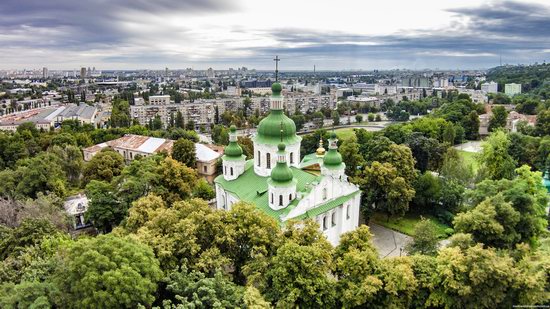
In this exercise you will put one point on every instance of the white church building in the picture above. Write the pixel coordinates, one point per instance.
(284, 187)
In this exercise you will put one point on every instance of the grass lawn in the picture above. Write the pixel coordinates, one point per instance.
(344, 133)
(469, 158)
(406, 224)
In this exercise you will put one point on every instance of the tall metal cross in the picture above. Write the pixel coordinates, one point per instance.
(277, 59)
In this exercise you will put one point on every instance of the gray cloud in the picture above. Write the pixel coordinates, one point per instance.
(119, 32)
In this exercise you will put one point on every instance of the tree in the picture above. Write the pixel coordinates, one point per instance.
(179, 122)
(195, 290)
(494, 159)
(357, 266)
(120, 114)
(428, 152)
(299, 277)
(383, 190)
(527, 196)
(335, 118)
(184, 152)
(370, 117)
(498, 119)
(425, 238)
(103, 166)
(71, 161)
(491, 222)
(427, 189)
(543, 122)
(474, 277)
(43, 173)
(351, 156)
(455, 168)
(204, 190)
(105, 211)
(107, 272)
(156, 123)
(470, 123)
(177, 181)
(358, 118)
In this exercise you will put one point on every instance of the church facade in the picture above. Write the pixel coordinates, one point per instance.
(281, 185)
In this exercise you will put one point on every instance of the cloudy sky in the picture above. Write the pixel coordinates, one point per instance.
(342, 34)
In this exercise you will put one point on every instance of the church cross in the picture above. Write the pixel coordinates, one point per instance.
(277, 59)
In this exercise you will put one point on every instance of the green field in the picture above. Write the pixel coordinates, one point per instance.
(344, 133)
(469, 158)
(406, 224)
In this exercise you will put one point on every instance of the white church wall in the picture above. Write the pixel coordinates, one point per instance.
(260, 157)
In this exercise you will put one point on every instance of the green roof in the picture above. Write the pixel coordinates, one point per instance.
(281, 173)
(250, 187)
(327, 206)
(311, 159)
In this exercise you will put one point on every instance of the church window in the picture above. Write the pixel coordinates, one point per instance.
(259, 158)
(347, 212)
(334, 218)
(225, 170)
(290, 197)
(271, 198)
(280, 200)
(292, 158)
(325, 224)
(268, 159)
(324, 193)
(231, 171)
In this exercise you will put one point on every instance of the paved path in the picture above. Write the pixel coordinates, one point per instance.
(472, 146)
(388, 242)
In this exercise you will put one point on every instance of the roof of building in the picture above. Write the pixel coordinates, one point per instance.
(204, 153)
(81, 111)
(250, 187)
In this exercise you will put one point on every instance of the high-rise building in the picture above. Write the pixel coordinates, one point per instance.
(45, 72)
(210, 73)
(491, 87)
(82, 72)
(512, 89)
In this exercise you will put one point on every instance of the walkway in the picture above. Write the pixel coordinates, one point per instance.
(388, 242)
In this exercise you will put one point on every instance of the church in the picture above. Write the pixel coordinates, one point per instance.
(281, 185)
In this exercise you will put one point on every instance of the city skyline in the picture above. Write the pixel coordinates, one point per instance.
(200, 34)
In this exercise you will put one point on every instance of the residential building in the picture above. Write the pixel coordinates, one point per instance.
(129, 146)
(490, 87)
(512, 89)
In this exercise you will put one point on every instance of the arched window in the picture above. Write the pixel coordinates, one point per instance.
(334, 219)
(225, 170)
(280, 200)
(347, 212)
(290, 197)
(325, 224)
(292, 158)
(231, 169)
(271, 198)
(131, 155)
(268, 158)
(324, 193)
(259, 158)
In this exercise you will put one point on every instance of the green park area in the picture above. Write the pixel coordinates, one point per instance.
(469, 158)
(345, 133)
(406, 223)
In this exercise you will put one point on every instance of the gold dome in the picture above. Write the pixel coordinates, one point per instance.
(320, 151)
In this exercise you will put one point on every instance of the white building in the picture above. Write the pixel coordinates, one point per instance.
(512, 89)
(490, 87)
(283, 187)
(159, 100)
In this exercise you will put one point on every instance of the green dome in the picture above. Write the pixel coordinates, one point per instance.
(269, 129)
(276, 88)
(281, 173)
(233, 149)
(332, 158)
